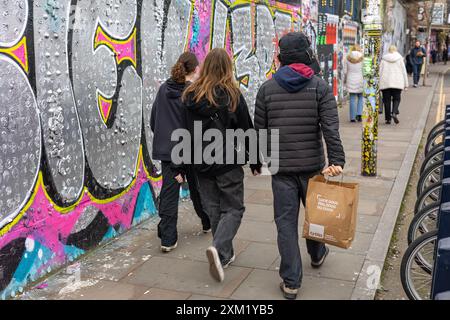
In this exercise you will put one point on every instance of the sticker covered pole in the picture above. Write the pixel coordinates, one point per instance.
(372, 33)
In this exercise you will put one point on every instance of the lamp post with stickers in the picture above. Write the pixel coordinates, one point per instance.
(372, 33)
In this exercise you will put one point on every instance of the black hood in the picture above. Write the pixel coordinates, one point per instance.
(174, 90)
(206, 109)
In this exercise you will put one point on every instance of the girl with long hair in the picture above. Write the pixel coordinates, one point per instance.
(214, 101)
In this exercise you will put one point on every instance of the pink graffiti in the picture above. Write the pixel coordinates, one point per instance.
(125, 50)
(45, 224)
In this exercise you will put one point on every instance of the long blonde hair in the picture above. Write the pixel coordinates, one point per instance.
(216, 72)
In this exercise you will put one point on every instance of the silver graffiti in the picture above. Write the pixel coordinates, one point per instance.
(62, 141)
(253, 63)
(111, 152)
(14, 14)
(283, 23)
(220, 23)
(20, 141)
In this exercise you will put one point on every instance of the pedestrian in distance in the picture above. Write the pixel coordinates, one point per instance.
(408, 65)
(445, 55)
(416, 56)
(433, 54)
(354, 82)
(393, 79)
(303, 108)
(215, 102)
(168, 114)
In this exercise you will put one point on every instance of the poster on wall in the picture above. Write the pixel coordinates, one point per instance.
(314, 10)
(326, 59)
(438, 14)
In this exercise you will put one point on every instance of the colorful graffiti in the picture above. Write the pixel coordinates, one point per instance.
(327, 48)
(77, 82)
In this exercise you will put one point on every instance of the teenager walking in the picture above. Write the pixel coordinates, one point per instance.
(214, 101)
(167, 115)
(302, 107)
(393, 79)
(354, 82)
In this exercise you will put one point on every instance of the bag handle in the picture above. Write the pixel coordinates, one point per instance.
(327, 178)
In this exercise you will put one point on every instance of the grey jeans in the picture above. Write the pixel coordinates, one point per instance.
(223, 200)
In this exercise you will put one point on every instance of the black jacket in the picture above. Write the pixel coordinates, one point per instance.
(219, 118)
(303, 108)
(167, 115)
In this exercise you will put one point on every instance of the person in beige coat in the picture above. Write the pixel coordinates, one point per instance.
(393, 79)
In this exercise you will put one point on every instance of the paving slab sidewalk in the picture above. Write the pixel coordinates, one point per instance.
(132, 267)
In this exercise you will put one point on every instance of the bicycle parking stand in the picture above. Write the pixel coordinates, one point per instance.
(440, 287)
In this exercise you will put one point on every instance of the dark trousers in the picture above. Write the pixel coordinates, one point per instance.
(288, 191)
(416, 72)
(168, 203)
(391, 101)
(223, 199)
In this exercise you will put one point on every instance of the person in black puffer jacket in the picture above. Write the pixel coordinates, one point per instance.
(302, 107)
(168, 114)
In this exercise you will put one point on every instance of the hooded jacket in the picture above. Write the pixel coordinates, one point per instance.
(393, 73)
(353, 70)
(167, 115)
(302, 107)
(221, 118)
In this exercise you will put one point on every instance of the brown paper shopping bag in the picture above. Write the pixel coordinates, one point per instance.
(331, 211)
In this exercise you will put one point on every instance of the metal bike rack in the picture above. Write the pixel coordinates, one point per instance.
(440, 287)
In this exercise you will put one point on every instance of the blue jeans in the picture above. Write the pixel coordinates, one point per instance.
(356, 105)
(288, 191)
(416, 71)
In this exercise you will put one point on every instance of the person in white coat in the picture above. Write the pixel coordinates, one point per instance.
(393, 79)
(354, 82)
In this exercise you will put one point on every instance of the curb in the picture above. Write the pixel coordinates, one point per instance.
(370, 275)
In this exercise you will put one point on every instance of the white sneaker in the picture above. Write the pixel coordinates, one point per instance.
(169, 248)
(215, 266)
(226, 265)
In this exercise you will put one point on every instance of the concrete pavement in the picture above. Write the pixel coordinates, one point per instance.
(132, 267)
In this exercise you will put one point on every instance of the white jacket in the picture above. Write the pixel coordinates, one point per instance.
(393, 72)
(354, 80)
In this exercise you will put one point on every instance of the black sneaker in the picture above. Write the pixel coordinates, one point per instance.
(319, 263)
(352, 120)
(388, 121)
(358, 118)
(288, 293)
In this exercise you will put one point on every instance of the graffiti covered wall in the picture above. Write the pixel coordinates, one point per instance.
(77, 82)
